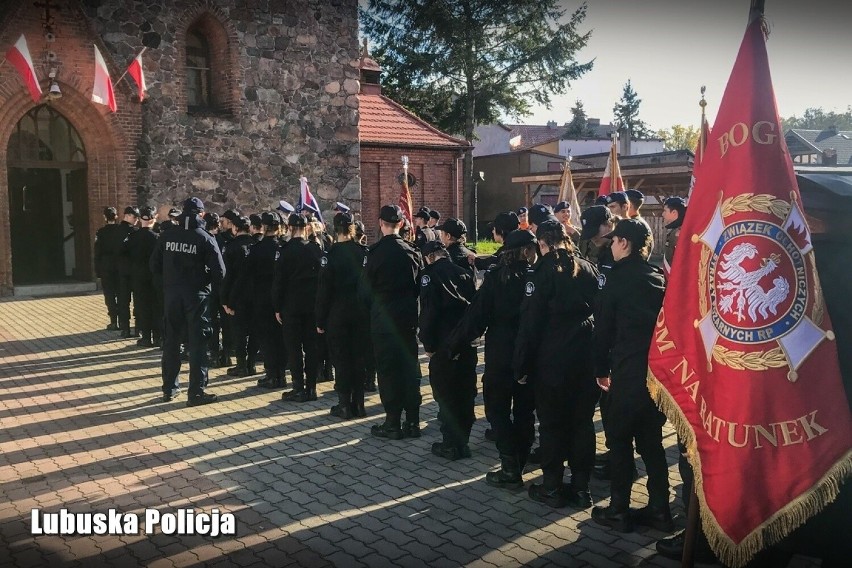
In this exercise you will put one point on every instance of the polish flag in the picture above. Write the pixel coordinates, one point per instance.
(612, 174)
(19, 56)
(102, 92)
(307, 200)
(135, 71)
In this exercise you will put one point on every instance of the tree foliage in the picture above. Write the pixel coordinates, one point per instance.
(819, 119)
(579, 125)
(680, 137)
(626, 114)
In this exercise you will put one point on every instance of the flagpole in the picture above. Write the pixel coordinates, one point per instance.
(120, 77)
(702, 142)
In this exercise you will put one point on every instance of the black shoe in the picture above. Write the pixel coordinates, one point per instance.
(659, 518)
(490, 435)
(169, 396)
(550, 497)
(270, 383)
(450, 451)
(238, 371)
(144, 342)
(306, 395)
(342, 411)
(534, 458)
(386, 431)
(411, 430)
(672, 548)
(577, 499)
(289, 395)
(112, 326)
(201, 399)
(509, 474)
(251, 371)
(618, 520)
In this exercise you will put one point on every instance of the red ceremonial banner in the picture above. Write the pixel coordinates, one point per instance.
(746, 366)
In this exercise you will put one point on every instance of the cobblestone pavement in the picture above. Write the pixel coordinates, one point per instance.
(83, 427)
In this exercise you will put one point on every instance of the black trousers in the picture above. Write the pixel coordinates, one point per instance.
(109, 283)
(187, 313)
(227, 345)
(604, 405)
(148, 310)
(125, 291)
(348, 353)
(637, 419)
(245, 341)
(215, 342)
(510, 409)
(271, 338)
(399, 374)
(454, 388)
(566, 428)
(300, 339)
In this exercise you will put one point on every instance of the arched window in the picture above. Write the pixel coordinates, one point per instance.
(45, 135)
(198, 92)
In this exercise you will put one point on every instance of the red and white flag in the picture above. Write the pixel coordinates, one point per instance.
(744, 358)
(406, 203)
(19, 56)
(135, 71)
(611, 181)
(102, 91)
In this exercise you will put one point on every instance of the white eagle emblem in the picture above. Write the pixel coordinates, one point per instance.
(530, 288)
(424, 281)
(744, 287)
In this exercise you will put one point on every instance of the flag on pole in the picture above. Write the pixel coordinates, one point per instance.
(405, 201)
(306, 199)
(102, 91)
(567, 192)
(744, 359)
(135, 71)
(611, 181)
(19, 56)
(703, 137)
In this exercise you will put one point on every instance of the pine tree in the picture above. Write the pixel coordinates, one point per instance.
(579, 125)
(626, 113)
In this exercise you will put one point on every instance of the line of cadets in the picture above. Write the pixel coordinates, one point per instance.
(568, 315)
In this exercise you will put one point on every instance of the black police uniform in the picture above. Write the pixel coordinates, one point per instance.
(221, 340)
(294, 293)
(107, 239)
(389, 287)
(147, 302)
(459, 255)
(625, 316)
(237, 298)
(509, 405)
(189, 260)
(422, 236)
(343, 318)
(325, 368)
(553, 352)
(445, 293)
(125, 280)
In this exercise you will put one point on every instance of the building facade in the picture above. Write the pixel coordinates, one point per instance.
(243, 98)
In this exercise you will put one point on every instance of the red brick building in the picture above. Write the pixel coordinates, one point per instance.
(387, 131)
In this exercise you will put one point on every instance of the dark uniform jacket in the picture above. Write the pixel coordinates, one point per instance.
(125, 230)
(605, 263)
(338, 309)
(422, 236)
(235, 260)
(486, 262)
(458, 254)
(497, 308)
(445, 293)
(138, 248)
(188, 257)
(555, 331)
(254, 283)
(671, 242)
(294, 290)
(109, 242)
(389, 285)
(625, 316)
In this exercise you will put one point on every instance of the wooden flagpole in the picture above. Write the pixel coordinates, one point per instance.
(128, 67)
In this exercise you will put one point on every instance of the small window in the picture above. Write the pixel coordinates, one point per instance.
(198, 72)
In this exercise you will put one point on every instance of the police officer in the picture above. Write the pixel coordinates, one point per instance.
(106, 264)
(452, 236)
(423, 233)
(294, 294)
(552, 353)
(625, 316)
(125, 284)
(189, 260)
(674, 209)
(509, 405)
(341, 318)
(139, 247)
(445, 293)
(237, 301)
(389, 287)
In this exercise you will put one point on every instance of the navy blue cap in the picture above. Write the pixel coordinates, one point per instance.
(193, 205)
(432, 246)
(539, 213)
(453, 227)
(561, 206)
(618, 197)
(517, 239)
(391, 214)
(591, 220)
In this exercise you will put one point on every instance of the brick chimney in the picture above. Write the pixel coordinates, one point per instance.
(371, 73)
(551, 124)
(829, 157)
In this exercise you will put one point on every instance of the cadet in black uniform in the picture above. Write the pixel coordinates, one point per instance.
(503, 224)
(445, 293)
(509, 405)
(106, 264)
(423, 233)
(212, 224)
(139, 247)
(125, 284)
(674, 209)
(294, 294)
(626, 313)
(553, 353)
(237, 301)
(256, 227)
(189, 260)
(538, 214)
(222, 321)
(361, 237)
(389, 288)
(255, 281)
(341, 318)
(434, 218)
(452, 236)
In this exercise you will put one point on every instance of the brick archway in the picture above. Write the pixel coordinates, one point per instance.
(107, 152)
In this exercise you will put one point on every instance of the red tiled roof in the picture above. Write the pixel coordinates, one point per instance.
(534, 135)
(383, 121)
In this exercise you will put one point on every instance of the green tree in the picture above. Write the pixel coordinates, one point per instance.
(680, 137)
(626, 112)
(457, 63)
(579, 125)
(819, 119)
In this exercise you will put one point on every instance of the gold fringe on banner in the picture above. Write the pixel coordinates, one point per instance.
(774, 529)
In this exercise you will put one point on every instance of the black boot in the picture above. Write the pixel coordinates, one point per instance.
(343, 408)
(509, 474)
(656, 517)
(240, 370)
(370, 386)
(615, 518)
(113, 324)
(145, 340)
(358, 409)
